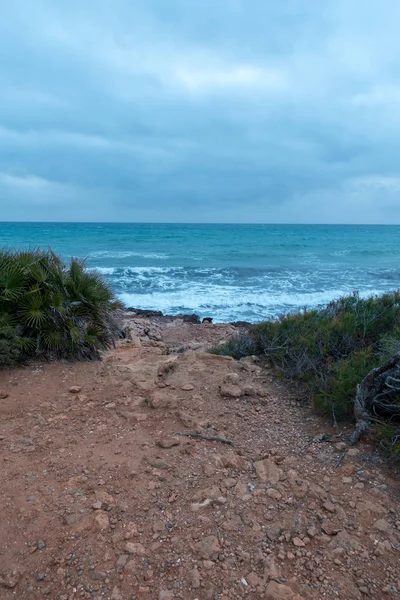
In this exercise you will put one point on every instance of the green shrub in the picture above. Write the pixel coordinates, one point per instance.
(10, 348)
(336, 396)
(238, 347)
(328, 351)
(55, 310)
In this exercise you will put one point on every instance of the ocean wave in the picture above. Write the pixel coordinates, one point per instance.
(128, 254)
(229, 304)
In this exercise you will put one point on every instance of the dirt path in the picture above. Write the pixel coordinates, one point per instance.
(100, 499)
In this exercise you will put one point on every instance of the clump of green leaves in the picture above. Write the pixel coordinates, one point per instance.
(328, 352)
(52, 310)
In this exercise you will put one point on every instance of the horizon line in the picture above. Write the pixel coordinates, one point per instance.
(195, 223)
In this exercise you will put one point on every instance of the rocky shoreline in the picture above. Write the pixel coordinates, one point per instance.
(185, 318)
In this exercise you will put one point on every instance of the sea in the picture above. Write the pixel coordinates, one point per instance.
(228, 272)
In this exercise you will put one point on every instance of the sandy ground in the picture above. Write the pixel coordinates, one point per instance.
(101, 499)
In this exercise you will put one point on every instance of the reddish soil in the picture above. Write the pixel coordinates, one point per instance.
(101, 499)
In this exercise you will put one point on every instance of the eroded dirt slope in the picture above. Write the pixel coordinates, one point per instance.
(100, 499)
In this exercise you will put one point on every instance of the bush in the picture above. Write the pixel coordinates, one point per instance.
(328, 351)
(51, 310)
(238, 347)
(9, 347)
(336, 396)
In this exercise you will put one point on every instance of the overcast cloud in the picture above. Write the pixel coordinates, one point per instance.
(208, 110)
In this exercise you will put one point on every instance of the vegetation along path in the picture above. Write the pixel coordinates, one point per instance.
(101, 499)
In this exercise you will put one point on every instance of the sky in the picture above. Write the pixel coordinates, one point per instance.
(200, 111)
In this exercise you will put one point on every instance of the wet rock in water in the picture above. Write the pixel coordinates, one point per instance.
(207, 320)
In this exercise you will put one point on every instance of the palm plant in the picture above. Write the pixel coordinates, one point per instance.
(55, 310)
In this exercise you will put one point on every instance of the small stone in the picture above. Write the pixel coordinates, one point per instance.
(353, 452)
(110, 405)
(194, 578)
(208, 548)
(298, 542)
(3, 394)
(329, 506)
(340, 446)
(116, 594)
(188, 387)
(10, 579)
(40, 544)
(166, 595)
(230, 391)
(271, 569)
(330, 528)
(267, 471)
(274, 494)
(75, 389)
(102, 521)
(168, 442)
(99, 576)
(278, 591)
(135, 548)
(97, 505)
(312, 531)
(382, 525)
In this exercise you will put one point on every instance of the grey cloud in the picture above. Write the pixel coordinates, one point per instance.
(228, 111)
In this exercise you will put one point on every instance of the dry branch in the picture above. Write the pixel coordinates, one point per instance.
(373, 401)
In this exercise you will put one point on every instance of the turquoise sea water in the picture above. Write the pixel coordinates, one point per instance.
(229, 272)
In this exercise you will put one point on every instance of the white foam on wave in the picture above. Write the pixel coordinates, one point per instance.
(233, 303)
(104, 270)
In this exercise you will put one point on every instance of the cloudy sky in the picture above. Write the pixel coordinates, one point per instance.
(200, 110)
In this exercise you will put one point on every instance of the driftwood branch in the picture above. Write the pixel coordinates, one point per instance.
(212, 438)
(369, 403)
